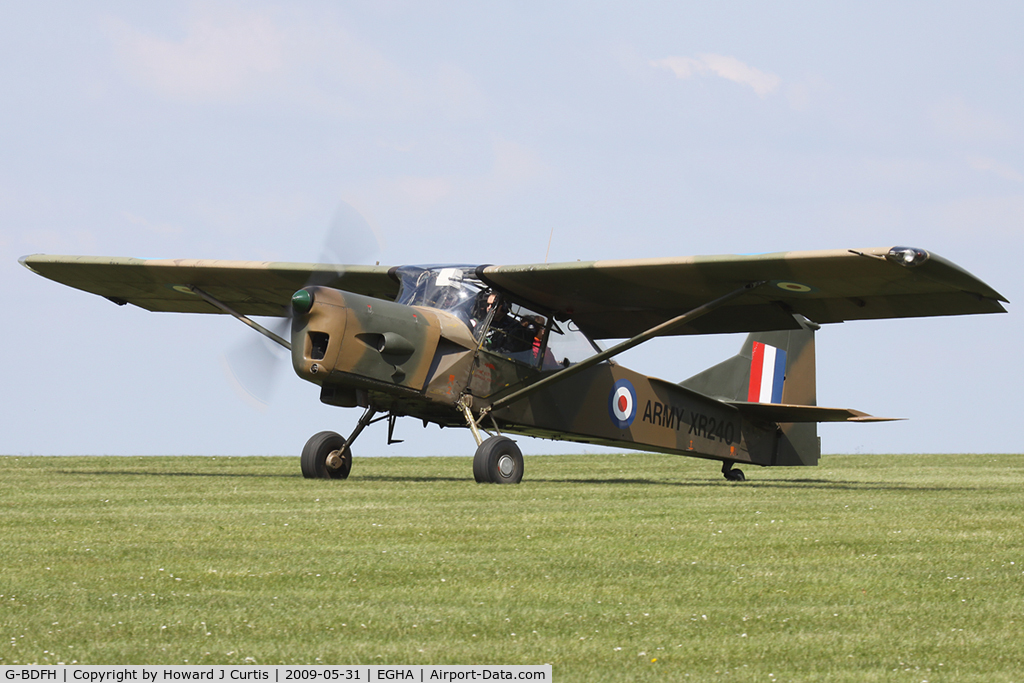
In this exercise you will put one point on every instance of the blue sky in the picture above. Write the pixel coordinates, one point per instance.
(474, 133)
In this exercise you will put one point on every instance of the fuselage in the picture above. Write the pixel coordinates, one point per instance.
(427, 362)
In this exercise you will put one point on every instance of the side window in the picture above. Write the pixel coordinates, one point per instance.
(522, 335)
(515, 332)
(567, 345)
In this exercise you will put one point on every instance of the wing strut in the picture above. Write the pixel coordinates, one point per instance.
(248, 321)
(656, 331)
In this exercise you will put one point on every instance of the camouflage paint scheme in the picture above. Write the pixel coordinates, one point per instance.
(676, 418)
(363, 348)
(669, 418)
(607, 299)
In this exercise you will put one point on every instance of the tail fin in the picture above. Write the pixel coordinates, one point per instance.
(772, 367)
(772, 378)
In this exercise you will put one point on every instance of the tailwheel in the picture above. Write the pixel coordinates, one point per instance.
(732, 474)
(498, 460)
(326, 456)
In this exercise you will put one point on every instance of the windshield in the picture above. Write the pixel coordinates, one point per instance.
(504, 328)
(455, 289)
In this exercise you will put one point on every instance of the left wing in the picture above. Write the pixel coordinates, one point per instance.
(249, 287)
(619, 299)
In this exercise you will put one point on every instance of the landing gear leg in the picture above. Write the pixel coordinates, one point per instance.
(730, 473)
(328, 456)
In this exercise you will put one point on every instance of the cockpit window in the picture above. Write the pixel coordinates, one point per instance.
(521, 334)
(514, 331)
(567, 345)
(502, 327)
(455, 289)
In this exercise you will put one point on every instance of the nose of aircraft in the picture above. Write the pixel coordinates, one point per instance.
(302, 301)
(341, 337)
(319, 316)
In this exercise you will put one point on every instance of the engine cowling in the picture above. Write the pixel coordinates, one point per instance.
(353, 340)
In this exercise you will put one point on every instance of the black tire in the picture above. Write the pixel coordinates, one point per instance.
(735, 475)
(498, 460)
(314, 457)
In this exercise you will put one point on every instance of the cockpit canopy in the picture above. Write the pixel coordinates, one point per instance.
(504, 328)
(455, 289)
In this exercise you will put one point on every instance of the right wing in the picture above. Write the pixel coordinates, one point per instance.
(249, 287)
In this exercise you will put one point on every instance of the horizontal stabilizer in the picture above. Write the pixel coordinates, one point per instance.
(784, 412)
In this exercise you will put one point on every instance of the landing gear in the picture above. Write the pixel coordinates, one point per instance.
(730, 473)
(326, 456)
(498, 460)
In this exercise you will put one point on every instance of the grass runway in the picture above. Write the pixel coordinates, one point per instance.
(610, 567)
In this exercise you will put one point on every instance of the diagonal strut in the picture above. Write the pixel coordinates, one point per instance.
(656, 331)
(245, 319)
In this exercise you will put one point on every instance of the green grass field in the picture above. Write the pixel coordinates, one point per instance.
(651, 567)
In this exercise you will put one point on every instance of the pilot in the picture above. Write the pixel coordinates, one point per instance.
(507, 333)
(485, 301)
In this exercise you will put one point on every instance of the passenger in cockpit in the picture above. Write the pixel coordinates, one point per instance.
(507, 333)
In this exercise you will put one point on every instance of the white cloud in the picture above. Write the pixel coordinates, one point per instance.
(1002, 170)
(162, 229)
(998, 217)
(221, 56)
(957, 120)
(52, 241)
(514, 167)
(316, 63)
(722, 66)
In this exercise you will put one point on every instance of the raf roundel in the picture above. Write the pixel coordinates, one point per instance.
(622, 404)
(794, 287)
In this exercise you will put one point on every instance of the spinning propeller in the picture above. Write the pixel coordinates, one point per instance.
(254, 364)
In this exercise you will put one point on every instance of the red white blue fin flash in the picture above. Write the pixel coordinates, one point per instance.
(767, 374)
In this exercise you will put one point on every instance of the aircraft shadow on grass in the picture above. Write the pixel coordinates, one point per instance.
(823, 484)
(144, 473)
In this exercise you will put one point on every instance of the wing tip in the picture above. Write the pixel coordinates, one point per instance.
(860, 416)
(24, 261)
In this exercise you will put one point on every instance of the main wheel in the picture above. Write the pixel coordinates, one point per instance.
(735, 475)
(325, 456)
(498, 460)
